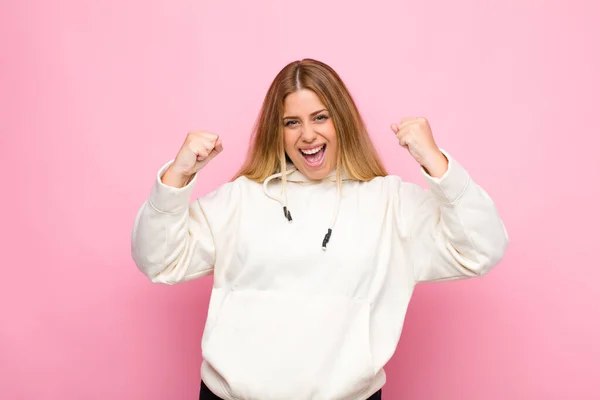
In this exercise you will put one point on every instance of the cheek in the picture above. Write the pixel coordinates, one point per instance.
(331, 133)
(289, 140)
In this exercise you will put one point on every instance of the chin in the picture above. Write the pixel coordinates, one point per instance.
(315, 174)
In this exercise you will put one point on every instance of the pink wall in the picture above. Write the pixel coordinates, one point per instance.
(95, 96)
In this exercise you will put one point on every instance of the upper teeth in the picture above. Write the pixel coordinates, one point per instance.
(312, 151)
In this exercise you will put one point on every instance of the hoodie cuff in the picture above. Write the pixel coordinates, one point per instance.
(449, 187)
(169, 199)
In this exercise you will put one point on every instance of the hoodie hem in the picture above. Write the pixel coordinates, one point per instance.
(217, 385)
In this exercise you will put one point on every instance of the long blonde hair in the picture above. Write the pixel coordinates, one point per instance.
(356, 153)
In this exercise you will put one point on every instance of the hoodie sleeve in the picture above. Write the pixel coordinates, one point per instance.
(172, 239)
(454, 228)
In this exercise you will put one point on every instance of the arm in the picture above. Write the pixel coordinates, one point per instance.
(454, 228)
(171, 240)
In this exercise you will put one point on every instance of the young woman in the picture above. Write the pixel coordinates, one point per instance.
(314, 248)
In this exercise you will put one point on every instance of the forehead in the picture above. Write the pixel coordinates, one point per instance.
(303, 101)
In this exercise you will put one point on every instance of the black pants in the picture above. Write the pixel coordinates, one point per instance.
(206, 394)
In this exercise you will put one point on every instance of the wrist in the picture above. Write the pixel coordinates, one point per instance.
(437, 166)
(174, 178)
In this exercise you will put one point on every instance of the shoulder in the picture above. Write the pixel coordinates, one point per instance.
(231, 190)
(379, 189)
(393, 188)
(388, 182)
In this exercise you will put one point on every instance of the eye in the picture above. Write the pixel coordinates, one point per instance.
(321, 117)
(290, 123)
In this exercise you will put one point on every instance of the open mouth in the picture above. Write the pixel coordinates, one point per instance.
(315, 156)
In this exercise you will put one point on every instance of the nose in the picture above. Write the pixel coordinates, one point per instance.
(308, 134)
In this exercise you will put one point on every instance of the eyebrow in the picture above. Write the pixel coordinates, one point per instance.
(312, 114)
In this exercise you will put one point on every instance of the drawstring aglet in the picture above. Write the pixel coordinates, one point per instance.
(287, 214)
(326, 239)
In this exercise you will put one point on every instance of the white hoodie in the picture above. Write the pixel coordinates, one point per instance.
(288, 320)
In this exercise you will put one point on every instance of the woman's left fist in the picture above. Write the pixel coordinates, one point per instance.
(414, 134)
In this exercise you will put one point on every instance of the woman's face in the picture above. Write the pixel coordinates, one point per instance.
(309, 136)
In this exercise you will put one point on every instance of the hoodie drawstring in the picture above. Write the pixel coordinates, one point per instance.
(286, 212)
(335, 214)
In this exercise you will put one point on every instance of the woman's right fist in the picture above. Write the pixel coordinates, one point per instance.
(198, 149)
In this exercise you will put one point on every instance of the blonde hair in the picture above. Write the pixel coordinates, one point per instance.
(356, 153)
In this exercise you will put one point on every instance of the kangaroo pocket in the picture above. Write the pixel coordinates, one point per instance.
(268, 345)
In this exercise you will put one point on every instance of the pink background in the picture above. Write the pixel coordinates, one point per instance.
(95, 96)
